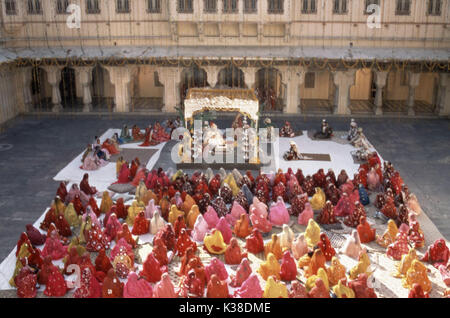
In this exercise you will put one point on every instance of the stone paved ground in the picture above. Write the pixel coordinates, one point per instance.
(41, 146)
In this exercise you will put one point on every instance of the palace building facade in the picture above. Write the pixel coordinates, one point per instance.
(341, 57)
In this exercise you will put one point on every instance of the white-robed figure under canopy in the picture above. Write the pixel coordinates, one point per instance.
(243, 101)
(213, 136)
(199, 100)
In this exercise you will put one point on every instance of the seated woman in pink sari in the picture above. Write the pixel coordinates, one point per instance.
(91, 162)
(75, 191)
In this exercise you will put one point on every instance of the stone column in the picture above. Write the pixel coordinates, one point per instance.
(293, 77)
(170, 77)
(413, 82)
(54, 78)
(84, 75)
(213, 74)
(24, 94)
(249, 76)
(443, 103)
(343, 80)
(120, 77)
(8, 101)
(380, 83)
(27, 93)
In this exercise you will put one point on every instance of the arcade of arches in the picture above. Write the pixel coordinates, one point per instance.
(281, 88)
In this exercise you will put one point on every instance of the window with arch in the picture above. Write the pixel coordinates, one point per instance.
(269, 89)
(231, 77)
(34, 7)
(61, 6)
(434, 7)
(123, 6)
(154, 6)
(275, 6)
(10, 7)
(309, 6)
(210, 6)
(192, 77)
(403, 7)
(250, 6)
(340, 6)
(185, 6)
(92, 7)
(230, 6)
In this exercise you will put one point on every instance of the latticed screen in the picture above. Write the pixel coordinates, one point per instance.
(309, 6)
(340, 6)
(34, 7)
(185, 6)
(92, 6)
(403, 7)
(250, 6)
(230, 6)
(154, 6)
(10, 7)
(61, 6)
(123, 6)
(210, 6)
(434, 7)
(276, 6)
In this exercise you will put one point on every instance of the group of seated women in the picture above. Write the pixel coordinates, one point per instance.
(98, 154)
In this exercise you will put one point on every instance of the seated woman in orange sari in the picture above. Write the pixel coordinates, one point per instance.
(109, 145)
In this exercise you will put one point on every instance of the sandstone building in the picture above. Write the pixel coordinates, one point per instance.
(300, 56)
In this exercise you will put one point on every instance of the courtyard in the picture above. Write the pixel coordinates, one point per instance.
(42, 145)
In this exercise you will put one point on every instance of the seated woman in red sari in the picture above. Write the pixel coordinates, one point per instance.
(374, 159)
(109, 145)
(141, 174)
(85, 187)
(124, 175)
(133, 169)
(136, 132)
(149, 141)
(159, 134)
